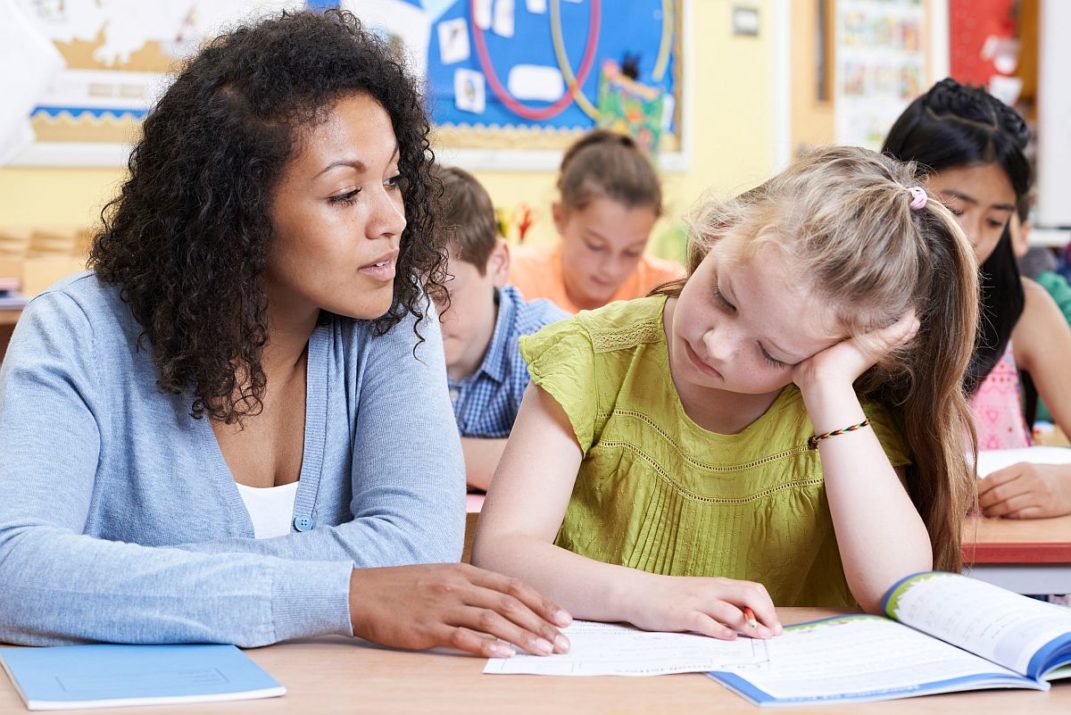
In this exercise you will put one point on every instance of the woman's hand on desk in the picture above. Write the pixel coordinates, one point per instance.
(1027, 491)
(455, 605)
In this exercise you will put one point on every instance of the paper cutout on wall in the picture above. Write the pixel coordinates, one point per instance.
(469, 91)
(532, 82)
(453, 41)
(481, 13)
(503, 18)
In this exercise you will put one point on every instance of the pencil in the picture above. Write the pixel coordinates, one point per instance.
(749, 617)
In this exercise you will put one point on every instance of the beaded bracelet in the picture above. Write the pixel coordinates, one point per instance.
(814, 439)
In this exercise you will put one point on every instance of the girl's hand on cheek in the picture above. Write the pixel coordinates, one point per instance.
(848, 359)
(709, 606)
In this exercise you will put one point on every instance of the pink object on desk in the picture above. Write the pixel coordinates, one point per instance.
(474, 502)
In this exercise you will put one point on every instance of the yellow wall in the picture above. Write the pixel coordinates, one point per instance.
(732, 139)
(812, 120)
(61, 198)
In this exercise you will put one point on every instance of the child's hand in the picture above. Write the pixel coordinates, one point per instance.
(709, 606)
(1026, 491)
(850, 358)
(454, 605)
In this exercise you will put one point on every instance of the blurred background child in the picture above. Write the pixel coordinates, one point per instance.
(609, 200)
(485, 318)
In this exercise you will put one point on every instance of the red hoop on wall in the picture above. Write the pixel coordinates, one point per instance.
(566, 99)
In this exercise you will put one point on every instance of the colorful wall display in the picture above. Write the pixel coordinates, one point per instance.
(880, 66)
(517, 74)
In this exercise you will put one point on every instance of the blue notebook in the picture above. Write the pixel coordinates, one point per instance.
(99, 676)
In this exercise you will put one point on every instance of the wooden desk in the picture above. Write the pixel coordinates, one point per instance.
(339, 675)
(1023, 555)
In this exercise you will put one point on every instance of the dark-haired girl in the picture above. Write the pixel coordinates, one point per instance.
(973, 147)
(236, 428)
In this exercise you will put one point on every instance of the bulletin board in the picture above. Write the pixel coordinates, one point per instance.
(509, 83)
(537, 73)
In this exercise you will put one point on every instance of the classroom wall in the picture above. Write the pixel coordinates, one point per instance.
(812, 118)
(732, 127)
(731, 111)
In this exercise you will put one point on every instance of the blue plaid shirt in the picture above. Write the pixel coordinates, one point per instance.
(486, 402)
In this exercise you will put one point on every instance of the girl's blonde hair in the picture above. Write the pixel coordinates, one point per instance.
(844, 217)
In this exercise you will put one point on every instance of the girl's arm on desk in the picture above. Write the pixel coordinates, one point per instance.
(522, 514)
(1042, 344)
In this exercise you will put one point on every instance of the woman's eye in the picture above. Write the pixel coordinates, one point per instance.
(395, 182)
(345, 199)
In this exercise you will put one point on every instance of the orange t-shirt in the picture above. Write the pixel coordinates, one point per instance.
(537, 273)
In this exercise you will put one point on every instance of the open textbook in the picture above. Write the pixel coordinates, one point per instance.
(944, 633)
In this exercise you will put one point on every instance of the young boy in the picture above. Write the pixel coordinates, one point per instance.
(485, 371)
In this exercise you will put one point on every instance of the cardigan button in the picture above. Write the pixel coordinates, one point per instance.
(303, 523)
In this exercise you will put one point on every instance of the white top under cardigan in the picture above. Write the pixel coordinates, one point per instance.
(271, 509)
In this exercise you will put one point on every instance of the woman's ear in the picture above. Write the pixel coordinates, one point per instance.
(498, 262)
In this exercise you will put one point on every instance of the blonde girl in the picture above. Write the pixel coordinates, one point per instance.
(786, 426)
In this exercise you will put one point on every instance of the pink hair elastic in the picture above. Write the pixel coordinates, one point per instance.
(918, 198)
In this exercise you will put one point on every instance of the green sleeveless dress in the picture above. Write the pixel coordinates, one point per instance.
(659, 493)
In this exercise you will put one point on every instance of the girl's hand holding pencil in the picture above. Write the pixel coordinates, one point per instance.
(717, 607)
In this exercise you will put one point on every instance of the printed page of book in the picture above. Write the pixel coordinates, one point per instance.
(860, 657)
(610, 649)
(998, 625)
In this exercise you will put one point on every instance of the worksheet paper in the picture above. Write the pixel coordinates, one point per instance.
(607, 649)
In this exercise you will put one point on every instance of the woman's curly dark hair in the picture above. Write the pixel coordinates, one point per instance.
(187, 238)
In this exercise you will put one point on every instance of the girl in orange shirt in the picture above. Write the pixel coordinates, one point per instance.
(610, 198)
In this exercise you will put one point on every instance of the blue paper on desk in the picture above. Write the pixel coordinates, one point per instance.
(98, 676)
